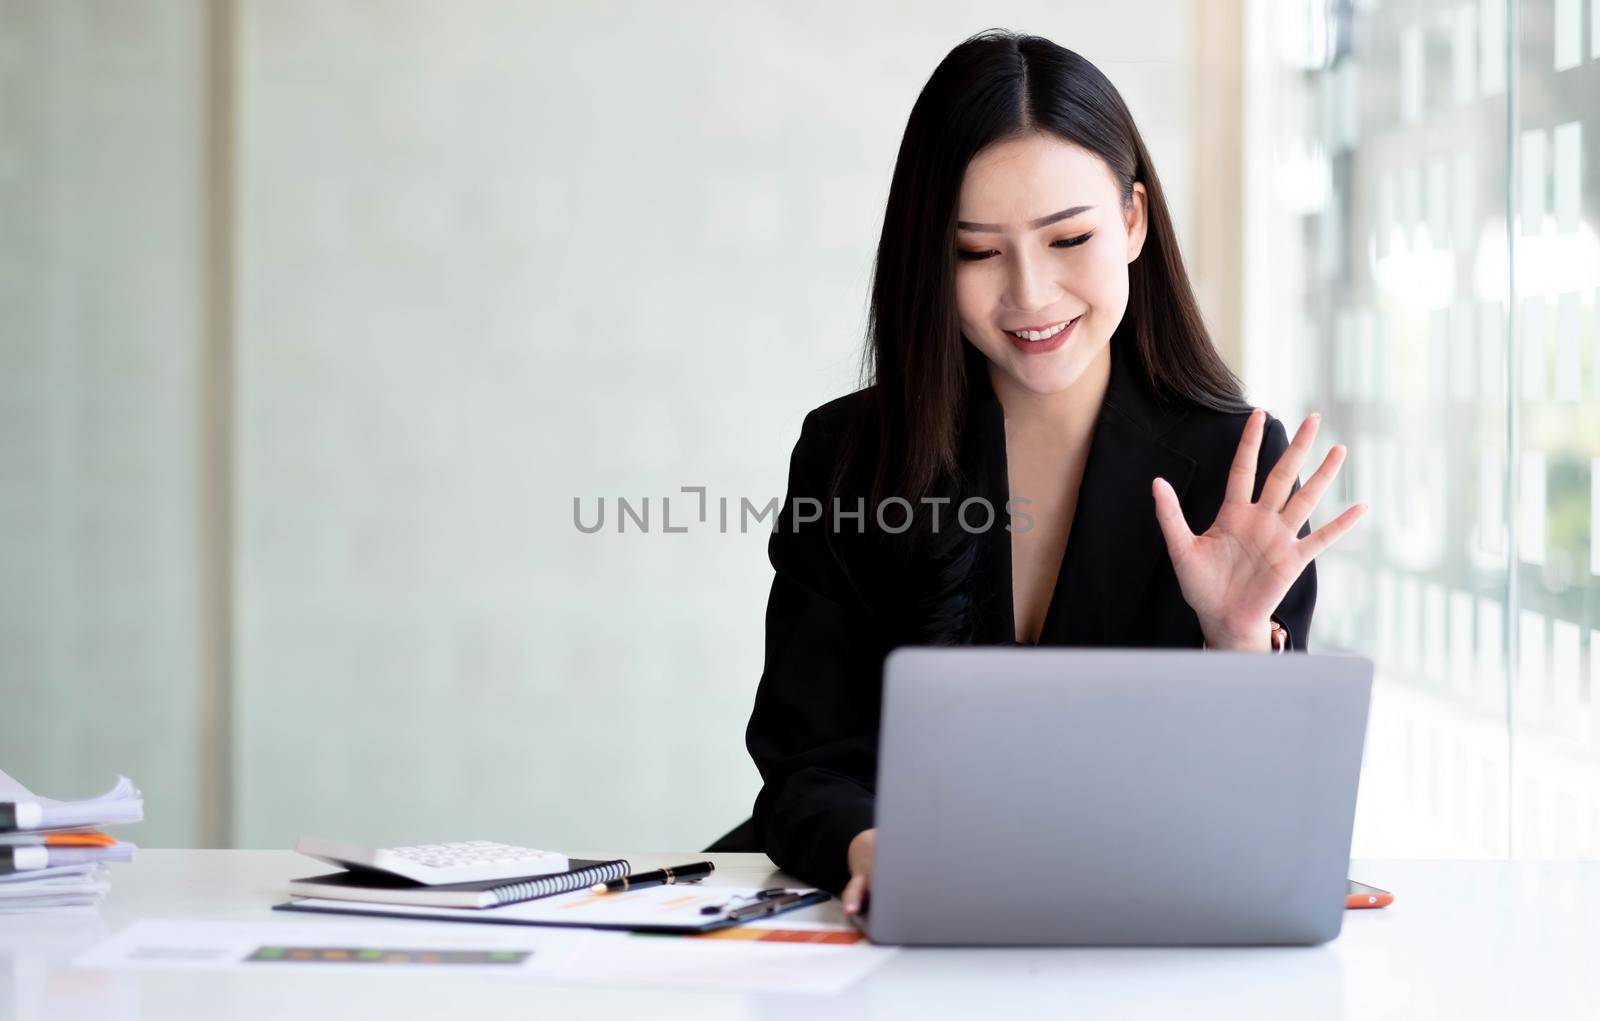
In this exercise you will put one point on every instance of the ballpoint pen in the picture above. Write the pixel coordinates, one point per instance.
(659, 877)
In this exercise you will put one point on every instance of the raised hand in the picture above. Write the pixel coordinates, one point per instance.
(1237, 573)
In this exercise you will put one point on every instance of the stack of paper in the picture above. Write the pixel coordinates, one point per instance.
(52, 853)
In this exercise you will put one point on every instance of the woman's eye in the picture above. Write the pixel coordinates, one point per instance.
(967, 256)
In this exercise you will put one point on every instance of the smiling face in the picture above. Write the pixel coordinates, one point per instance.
(1043, 241)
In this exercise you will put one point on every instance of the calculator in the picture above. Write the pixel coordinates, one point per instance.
(466, 861)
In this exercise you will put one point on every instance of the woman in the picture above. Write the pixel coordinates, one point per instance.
(1035, 349)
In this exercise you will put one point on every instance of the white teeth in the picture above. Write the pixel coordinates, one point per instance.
(1037, 335)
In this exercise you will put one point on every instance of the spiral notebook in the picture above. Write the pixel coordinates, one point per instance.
(375, 887)
(680, 909)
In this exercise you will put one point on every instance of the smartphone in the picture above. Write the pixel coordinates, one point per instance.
(1361, 895)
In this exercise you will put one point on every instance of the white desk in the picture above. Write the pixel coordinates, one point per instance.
(1462, 940)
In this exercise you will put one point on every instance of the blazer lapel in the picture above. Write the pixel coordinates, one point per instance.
(984, 455)
(1115, 541)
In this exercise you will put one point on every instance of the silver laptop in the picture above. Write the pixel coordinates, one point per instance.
(1115, 796)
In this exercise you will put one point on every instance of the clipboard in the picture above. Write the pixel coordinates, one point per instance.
(672, 910)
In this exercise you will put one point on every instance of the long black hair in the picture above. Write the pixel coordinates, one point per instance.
(995, 86)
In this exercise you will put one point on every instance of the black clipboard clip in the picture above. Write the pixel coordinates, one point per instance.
(757, 897)
(766, 902)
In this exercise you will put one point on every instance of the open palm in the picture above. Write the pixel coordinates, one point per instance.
(1237, 573)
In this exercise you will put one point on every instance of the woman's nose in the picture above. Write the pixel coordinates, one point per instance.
(1030, 287)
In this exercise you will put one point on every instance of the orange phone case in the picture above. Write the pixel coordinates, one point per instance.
(1368, 897)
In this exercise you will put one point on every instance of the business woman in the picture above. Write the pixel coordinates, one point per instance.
(1050, 452)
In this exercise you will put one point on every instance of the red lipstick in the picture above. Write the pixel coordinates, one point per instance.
(1040, 347)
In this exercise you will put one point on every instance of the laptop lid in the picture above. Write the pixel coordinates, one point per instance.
(1115, 796)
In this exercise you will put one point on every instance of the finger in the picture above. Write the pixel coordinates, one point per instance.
(1305, 498)
(1242, 476)
(1313, 544)
(1169, 513)
(1280, 481)
(852, 894)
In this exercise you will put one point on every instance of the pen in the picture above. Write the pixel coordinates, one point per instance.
(660, 877)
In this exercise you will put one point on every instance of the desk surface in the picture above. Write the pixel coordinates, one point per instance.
(1462, 940)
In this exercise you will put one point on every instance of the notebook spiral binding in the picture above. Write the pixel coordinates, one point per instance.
(546, 886)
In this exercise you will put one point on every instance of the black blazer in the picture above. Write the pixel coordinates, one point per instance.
(835, 607)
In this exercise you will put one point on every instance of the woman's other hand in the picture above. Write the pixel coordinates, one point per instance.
(859, 856)
(1237, 573)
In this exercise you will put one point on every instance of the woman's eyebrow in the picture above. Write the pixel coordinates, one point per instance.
(1043, 221)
